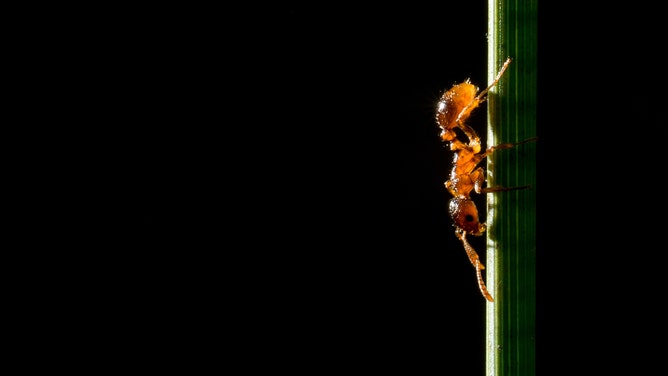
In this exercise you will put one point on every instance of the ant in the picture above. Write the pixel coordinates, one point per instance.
(453, 110)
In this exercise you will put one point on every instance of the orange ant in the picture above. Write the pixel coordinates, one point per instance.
(453, 110)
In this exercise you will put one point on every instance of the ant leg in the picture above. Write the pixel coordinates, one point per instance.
(509, 145)
(491, 149)
(474, 140)
(475, 260)
(458, 145)
(478, 177)
(503, 189)
(480, 96)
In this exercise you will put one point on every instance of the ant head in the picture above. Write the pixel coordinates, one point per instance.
(464, 214)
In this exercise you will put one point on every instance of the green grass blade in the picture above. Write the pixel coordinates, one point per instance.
(511, 237)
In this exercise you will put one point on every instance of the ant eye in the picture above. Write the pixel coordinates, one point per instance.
(464, 214)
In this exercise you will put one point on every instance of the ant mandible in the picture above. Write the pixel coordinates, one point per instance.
(453, 110)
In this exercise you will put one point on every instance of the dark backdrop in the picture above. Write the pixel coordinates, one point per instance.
(291, 183)
(280, 182)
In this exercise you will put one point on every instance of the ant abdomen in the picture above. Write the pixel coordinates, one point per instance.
(464, 214)
(455, 104)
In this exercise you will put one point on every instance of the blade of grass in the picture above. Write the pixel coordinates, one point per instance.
(511, 219)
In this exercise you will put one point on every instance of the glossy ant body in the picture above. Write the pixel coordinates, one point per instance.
(453, 110)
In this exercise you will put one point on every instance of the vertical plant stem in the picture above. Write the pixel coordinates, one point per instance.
(511, 219)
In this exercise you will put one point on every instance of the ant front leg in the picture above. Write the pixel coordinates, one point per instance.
(490, 150)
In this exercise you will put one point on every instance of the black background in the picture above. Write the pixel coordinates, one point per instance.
(277, 185)
(292, 177)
